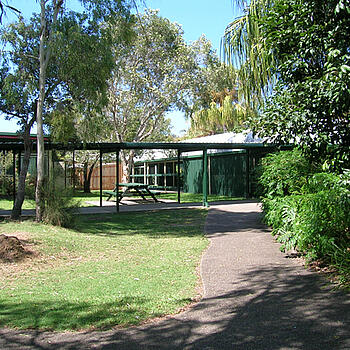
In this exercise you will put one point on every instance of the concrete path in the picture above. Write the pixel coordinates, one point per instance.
(254, 298)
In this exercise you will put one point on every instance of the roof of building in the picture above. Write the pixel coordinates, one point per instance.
(246, 137)
(228, 137)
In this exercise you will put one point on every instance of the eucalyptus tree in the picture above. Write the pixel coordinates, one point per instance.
(154, 74)
(54, 60)
(71, 123)
(5, 6)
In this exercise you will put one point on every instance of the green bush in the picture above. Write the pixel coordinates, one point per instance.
(58, 205)
(284, 173)
(324, 221)
(314, 215)
(281, 213)
(30, 187)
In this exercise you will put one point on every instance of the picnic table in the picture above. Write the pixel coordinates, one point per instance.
(130, 189)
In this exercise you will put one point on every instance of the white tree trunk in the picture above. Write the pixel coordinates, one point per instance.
(39, 119)
(44, 57)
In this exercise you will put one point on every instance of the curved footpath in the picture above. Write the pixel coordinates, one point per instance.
(255, 297)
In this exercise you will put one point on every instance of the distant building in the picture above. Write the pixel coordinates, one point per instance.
(229, 171)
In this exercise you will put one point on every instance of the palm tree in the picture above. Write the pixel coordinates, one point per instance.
(244, 48)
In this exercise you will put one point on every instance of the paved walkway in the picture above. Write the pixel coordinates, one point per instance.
(254, 298)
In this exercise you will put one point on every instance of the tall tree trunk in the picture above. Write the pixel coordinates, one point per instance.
(17, 207)
(88, 174)
(44, 57)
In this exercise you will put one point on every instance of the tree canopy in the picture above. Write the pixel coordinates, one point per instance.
(298, 51)
(59, 59)
(155, 72)
(310, 41)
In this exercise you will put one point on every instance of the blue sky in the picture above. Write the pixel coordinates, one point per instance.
(197, 17)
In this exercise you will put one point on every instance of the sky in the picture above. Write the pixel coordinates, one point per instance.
(197, 17)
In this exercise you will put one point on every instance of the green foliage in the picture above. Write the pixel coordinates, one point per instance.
(245, 48)
(308, 212)
(310, 42)
(229, 116)
(281, 214)
(59, 205)
(284, 173)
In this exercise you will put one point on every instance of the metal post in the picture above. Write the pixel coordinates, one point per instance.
(65, 170)
(14, 175)
(247, 173)
(205, 178)
(19, 163)
(178, 176)
(48, 163)
(117, 179)
(73, 170)
(101, 178)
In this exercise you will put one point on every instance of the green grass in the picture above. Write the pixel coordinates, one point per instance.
(81, 198)
(111, 270)
(6, 202)
(196, 197)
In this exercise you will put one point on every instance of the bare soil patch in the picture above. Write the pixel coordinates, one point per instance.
(12, 249)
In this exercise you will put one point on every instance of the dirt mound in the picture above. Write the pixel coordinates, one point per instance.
(11, 249)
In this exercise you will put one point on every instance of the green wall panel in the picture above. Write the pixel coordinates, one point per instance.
(228, 175)
(192, 175)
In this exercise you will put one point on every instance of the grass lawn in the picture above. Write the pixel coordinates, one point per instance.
(81, 198)
(196, 197)
(110, 270)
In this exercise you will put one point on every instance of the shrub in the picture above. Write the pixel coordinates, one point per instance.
(282, 213)
(284, 173)
(308, 210)
(324, 217)
(58, 205)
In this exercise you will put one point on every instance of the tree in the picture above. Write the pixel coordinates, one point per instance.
(71, 124)
(4, 5)
(225, 116)
(244, 47)
(101, 12)
(154, 74)
(218, 109)
(47, 33)
(310, 41)
(76, 60)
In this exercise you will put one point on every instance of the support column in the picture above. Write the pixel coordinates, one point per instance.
(14, 176)
(247, 173)
(19, 163)
(73, 171)
(178, 177)
(205, 178)
(65, 170)
(117, 179)
(101, 178)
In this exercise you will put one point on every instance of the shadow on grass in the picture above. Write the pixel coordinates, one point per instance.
(155, 224)
(266, 308)
(61, 315)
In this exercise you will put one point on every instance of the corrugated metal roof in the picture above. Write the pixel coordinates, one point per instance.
(229, 137)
